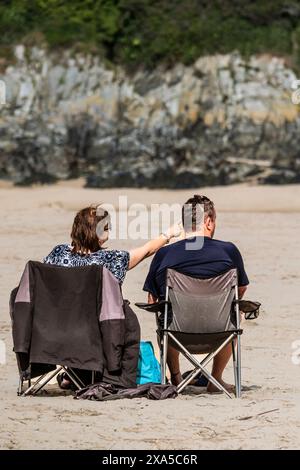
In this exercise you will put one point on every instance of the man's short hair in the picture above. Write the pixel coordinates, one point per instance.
(196, 208)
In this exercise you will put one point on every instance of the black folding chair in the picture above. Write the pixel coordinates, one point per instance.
(50, 333)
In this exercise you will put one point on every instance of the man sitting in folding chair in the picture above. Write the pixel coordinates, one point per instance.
(200, 257)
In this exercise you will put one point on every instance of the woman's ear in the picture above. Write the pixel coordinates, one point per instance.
(103, 240)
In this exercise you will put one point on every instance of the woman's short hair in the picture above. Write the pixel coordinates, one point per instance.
(84, 231)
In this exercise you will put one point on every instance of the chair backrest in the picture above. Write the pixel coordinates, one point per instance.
(56, 315)
(201, 305)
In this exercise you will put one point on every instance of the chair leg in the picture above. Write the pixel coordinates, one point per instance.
(73, 377)
(73, 373)
(164, 358)
(239, 366)
(188, 379)
(161, 351)
(206, 374)
(185, 382)
(31, 387)
(50, 376)
(234, 369)
(196, 363)
(20, 388)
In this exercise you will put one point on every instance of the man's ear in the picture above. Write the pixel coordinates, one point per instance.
(209, 224)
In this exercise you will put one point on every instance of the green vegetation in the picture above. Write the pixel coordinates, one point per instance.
(146, 32)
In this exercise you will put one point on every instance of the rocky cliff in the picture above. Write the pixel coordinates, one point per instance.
(220, 121)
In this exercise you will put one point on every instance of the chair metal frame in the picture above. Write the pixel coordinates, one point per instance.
(200, 367)
(44, 379)
(33, 379)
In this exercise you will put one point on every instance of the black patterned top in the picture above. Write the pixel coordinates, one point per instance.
(116, 261)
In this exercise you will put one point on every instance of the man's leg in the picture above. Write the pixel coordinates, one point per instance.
(173, 364)
(220, 361)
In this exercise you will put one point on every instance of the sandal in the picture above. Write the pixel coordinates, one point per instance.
(199, 381)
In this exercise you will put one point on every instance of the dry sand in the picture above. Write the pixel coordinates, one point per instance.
(265, 223)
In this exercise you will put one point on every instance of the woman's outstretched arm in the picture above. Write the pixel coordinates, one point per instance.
(139, 254)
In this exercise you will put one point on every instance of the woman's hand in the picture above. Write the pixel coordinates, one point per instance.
(174, 231)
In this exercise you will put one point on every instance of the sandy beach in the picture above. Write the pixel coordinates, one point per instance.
(264, 221)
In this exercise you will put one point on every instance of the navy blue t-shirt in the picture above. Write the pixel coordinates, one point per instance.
(213, 258)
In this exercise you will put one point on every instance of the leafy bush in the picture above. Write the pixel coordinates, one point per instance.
(146, 32)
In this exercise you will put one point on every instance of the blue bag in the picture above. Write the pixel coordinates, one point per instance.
(148, 366)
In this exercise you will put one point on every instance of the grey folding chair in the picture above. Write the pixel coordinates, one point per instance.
(199, 316)
(205, 318)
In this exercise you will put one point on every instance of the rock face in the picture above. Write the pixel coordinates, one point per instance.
(222, 120)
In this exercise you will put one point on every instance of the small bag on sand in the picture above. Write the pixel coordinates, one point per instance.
(148, 366)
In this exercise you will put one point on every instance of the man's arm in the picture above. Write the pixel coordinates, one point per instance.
(241, 290)
(239, 264)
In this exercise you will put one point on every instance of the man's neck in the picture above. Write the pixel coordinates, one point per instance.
(199, 233)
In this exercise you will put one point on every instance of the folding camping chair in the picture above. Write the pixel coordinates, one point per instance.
(31, 321)
(200, 316)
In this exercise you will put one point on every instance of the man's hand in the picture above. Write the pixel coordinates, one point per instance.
(152, 299)
(242, 291)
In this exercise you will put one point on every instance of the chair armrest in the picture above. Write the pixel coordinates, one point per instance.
(250, 308)
(157, 307)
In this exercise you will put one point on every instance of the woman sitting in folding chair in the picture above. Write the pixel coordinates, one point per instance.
(89, 233)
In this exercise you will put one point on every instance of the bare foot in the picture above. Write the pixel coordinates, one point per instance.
(176, 378)
(211, 388)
